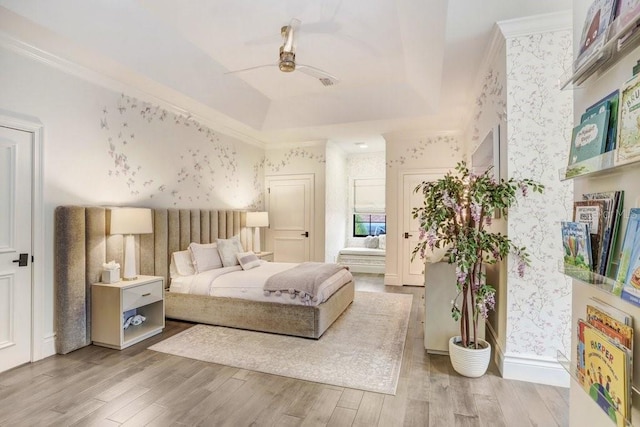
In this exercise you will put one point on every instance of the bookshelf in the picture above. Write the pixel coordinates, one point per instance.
(596, 77)
(616, 45)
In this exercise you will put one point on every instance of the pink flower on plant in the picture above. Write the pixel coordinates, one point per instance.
(476, 210)
(461, 275)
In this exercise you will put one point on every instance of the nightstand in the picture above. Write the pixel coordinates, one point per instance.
(109, 303)
(267, 256)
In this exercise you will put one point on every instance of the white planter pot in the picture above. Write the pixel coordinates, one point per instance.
(469, 361)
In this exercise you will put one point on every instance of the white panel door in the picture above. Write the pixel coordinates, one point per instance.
(290, 206)
(15, 239)
(412, 270)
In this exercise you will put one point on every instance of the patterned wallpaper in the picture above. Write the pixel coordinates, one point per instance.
(539, 131)
(415, 153)
(174, 160)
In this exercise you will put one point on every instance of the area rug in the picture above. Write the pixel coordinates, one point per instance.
(362, 349)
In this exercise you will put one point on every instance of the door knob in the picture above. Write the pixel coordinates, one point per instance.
(305, 234)
(407, 235)
(22, 260)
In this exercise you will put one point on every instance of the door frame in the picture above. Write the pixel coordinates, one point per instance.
(36, 128)
(401, 212)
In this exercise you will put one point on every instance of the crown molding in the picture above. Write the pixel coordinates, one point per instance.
(536, 24)
(136, 86)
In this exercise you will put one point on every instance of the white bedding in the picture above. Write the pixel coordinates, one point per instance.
(248, 284)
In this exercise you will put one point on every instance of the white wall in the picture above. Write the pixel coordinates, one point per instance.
(336, 206)
(105, 148)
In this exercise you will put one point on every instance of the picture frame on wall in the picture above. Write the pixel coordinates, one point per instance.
(487, 154)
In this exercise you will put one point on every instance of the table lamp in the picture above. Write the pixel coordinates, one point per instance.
(130, 221)
(257, 220)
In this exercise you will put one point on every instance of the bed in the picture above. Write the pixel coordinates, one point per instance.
(82, 245)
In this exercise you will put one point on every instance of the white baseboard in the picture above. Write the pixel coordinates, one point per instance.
(530, 368)
(48, 346)
(391, 280)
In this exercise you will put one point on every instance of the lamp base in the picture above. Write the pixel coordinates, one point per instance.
(256, 240)
(129, 271)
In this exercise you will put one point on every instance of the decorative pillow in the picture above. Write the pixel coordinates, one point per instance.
(382, 241)
(248, 260)
(371, 242)
(181, 264)
(228, 249)
(205, 256)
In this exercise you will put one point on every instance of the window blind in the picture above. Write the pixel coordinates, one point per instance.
(368, 195)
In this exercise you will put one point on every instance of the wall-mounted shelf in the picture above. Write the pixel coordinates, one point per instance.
(613, 46)
(565, 362)
(594, 280)
(602, 164)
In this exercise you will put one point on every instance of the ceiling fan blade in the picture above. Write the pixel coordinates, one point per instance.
(324, 77)
(251, 68)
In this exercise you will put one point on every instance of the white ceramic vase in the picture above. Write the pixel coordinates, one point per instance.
(469, 362)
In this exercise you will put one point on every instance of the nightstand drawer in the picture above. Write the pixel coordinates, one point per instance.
(138, 296)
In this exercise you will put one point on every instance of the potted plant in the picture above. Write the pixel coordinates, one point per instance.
(456, 212)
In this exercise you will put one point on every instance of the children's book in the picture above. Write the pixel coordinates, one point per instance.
(628, 10)
(612, 311)
(629, 122)
(577, 245)
(599, 16)
(613, 212)
(591, 212)
(607, 373)
(612, 101)
(614, 329)
(589, 138)
(629, 266)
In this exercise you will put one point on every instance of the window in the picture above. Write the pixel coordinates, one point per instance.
(369, 225)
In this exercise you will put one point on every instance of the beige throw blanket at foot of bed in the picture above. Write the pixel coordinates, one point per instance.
(302, 280)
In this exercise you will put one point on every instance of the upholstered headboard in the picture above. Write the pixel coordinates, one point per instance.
(82, 245)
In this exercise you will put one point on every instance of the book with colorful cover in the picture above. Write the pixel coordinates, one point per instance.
(612, 101)
(614, 329)
(611, 311)
(589, 138)
(629, 266)
(607, 374)
(594, 30)
(628, 145)
(591, 212)
(576, 242)
(613, 212)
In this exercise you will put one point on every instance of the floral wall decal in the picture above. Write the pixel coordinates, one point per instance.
(158, 154)
(413, 152)
(539, 130)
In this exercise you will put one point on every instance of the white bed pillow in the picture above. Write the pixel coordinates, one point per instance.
(248, 260)
(371, 242)
(228, 249)
(181, 264)
(382, 241)
(205, 256)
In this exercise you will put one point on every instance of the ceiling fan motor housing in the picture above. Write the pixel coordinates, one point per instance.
(287, 62)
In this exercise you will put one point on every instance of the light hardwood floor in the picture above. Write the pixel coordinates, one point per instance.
(136, 386)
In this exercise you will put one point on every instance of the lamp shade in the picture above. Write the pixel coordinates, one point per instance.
(257, 219)
(131, 221)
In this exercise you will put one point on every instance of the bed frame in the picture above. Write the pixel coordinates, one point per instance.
(82, 244)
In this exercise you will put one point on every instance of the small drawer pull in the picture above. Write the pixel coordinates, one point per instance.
(147, 294)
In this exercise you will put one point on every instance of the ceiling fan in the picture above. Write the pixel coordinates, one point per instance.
(287, 58)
